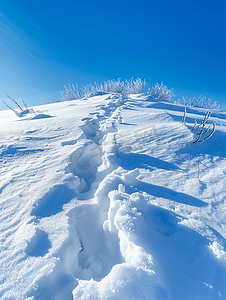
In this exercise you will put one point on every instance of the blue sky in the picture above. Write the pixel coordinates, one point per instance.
(46, 44)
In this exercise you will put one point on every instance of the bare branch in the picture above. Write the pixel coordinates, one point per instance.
(25, 105)
(183, 118)
(194, 125)
(15, 112)
(211, 133)
(14, 102)
(202, 132)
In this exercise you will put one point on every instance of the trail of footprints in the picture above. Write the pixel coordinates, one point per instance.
(88, 155)
(83, 163)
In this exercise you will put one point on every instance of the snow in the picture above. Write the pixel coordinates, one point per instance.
(101, 199)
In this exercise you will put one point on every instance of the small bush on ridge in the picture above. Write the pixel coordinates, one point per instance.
(201, 102)
(111, 86)
(161, 92)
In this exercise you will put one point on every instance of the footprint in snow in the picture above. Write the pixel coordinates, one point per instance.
(39, 244)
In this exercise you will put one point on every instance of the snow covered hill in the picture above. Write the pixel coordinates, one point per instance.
(109, 198)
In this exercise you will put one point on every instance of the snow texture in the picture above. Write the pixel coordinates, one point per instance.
(107, 197)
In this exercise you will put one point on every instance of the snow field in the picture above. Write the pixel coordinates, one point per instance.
(107, 205)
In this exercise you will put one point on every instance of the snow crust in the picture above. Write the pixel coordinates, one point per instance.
(101, 199)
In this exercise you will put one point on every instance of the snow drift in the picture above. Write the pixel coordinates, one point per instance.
(102, 199)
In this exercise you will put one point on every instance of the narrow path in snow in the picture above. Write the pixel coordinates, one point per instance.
(92, 258)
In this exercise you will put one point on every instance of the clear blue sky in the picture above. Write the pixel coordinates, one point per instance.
(46, 44)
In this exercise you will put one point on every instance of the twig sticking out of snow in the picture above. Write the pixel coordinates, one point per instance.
(23, 111)
(198, 168)
(199, 162)
(202, 132)
(15, 112)
(194, 125)
(25, 105)
(183, 118)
